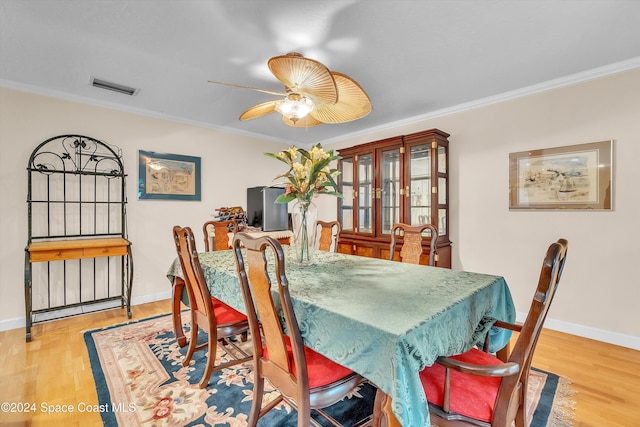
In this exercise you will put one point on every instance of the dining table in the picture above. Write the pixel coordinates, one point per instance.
(385, 320)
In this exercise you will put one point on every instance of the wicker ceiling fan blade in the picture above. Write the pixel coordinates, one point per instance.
(333, 97)
(305, 76)
(259, 110)
(353, 103)
(270, 92)
(305, 122)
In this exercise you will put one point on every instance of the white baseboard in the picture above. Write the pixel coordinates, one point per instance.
(143, 299)
(21, 322)
(18, 322)
(609, 337)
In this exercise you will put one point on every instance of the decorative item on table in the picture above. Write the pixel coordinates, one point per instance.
(235, 213)
(309, 175)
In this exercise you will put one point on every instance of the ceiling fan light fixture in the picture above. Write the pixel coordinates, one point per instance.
(294, 107)
(313, 94)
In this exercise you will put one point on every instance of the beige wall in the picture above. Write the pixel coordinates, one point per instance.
(600, 287)
(230, 164)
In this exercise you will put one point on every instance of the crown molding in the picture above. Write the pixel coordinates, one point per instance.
(11, 84)
(573, 79)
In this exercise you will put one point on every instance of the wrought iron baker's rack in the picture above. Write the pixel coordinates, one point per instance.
(76, 198)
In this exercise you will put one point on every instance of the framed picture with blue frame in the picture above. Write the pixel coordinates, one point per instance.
(168, 176)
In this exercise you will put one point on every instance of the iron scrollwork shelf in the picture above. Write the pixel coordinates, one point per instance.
(77, 238)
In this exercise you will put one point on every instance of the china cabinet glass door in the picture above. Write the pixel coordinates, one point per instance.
(443, 190)
(346, 203)
(427, 178)
(364, 199)
(356, 207)
(419, 194)
(390, 189)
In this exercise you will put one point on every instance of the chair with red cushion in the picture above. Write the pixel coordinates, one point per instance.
(411, 251)
(306, 379)
(216, 318)
(329, 234)
(221, 230)
(477, 388)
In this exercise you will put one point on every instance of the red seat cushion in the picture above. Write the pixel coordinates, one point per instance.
(471, 395)
(321, 371)
(226, 314)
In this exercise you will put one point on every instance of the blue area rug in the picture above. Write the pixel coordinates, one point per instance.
(140, 381)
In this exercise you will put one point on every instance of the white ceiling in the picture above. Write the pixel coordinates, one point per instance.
(415, 59)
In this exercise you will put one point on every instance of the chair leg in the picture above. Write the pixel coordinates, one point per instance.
(178, 286)
(521, 412)
(304, 413)
(212, 352)
(193, 342)
(256, 406)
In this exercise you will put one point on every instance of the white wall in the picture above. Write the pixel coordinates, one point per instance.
(600, 290)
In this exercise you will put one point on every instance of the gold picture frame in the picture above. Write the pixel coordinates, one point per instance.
(570, 177)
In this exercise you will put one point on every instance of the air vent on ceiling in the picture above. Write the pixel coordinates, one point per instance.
(103, 84)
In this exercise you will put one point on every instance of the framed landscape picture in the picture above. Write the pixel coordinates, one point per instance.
(570, 177)
(168, 176)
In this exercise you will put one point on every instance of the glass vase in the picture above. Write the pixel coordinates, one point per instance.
(303, 217)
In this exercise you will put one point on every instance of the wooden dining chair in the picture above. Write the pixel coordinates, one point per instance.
(220, 321)
(329, 235)
(477, 388)
(306, 379)
(411, 250)
(221, 231)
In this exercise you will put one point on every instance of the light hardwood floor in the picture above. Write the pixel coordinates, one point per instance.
(54, 369)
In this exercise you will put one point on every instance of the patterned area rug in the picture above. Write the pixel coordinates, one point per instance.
(140, 381)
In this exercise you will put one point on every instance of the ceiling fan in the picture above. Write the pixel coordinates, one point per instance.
(313, 94)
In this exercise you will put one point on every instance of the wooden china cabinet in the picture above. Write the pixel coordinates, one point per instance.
(399, 179)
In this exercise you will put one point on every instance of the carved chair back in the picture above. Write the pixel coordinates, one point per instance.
(509, 393)
(199, 296)
(329, 235)
(203, 310)
(278, 356)
(221, 230)
(411, 250)
(524, 348)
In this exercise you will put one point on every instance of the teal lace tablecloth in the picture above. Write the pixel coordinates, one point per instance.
(385, 320)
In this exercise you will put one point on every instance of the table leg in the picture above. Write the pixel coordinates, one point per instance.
(178, 286)
(503, 353)
(382, 414)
